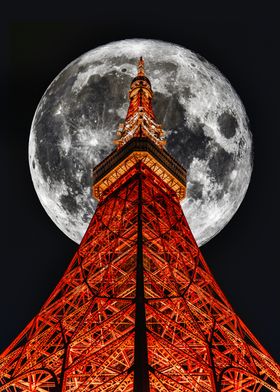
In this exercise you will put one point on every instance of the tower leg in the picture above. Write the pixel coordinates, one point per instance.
(141, 372)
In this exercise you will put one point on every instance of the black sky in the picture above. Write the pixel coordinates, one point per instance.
(242, 42)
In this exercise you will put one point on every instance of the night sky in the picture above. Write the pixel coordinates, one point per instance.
(242, 43)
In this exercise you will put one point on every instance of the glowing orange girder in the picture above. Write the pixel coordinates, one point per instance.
(85, 336)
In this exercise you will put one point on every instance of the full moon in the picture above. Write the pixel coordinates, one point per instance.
(204, 120)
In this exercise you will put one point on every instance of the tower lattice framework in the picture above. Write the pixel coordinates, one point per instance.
(138, 308)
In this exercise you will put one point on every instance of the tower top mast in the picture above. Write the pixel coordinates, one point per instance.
(140, 138)
(140, 120)
(141, 71)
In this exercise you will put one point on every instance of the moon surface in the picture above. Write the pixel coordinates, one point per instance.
(205, 122)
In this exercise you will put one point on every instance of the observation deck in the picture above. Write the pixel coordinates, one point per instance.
(139, 149)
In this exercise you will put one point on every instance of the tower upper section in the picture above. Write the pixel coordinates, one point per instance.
(140, 119)
(140, 138)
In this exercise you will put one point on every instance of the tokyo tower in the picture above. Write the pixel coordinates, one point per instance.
(138, 308)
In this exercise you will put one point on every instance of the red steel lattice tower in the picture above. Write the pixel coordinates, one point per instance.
(138, 308)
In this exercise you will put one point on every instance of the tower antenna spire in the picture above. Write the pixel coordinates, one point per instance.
(141, 70)
(140, 120)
